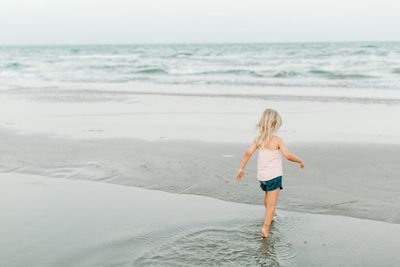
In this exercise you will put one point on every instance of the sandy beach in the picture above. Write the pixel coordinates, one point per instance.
(107, 160)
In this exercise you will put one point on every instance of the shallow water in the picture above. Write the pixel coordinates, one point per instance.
(62, 225)
(227, 245)
(61, 222)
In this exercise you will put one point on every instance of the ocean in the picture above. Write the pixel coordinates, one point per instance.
(349, 65)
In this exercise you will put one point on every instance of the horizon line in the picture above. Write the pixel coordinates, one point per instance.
(200, 43)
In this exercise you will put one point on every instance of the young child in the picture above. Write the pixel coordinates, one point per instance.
(269, 164)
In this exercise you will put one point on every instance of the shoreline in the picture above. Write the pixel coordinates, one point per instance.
(207, 169)
(135, 112)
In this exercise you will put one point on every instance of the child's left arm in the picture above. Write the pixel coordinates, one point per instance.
(240, 173)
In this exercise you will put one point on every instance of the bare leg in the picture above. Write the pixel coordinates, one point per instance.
(265, 199)
(271, 200)
(265, 204)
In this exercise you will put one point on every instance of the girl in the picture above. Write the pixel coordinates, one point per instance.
(269, 164)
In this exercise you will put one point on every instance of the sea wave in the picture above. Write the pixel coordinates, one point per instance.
(339, 75)
(150, 70)
(359, 65)
(181, 54)
(239, 72)
(287, 74)
(369, 46)
(14, 66)
(396, 70)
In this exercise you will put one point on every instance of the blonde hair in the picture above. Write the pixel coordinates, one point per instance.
(269, 124)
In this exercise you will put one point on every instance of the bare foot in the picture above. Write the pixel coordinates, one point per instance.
(264, 232)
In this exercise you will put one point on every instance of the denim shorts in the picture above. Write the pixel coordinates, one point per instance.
(272, 184)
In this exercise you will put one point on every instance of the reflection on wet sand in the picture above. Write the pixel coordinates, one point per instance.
(100, 224)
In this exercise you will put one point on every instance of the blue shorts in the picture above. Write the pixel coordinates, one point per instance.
(272, 184)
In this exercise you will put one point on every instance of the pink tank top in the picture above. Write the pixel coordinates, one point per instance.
(269, 164)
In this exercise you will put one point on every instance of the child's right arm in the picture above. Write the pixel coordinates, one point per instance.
(245, 159)
(288, 155)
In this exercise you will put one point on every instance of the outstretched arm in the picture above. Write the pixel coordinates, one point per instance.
(289, 155)
(245, 159)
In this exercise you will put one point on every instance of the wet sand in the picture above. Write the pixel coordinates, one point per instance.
(208, 113)
(357, 180)
(145, 141)
(61, 222)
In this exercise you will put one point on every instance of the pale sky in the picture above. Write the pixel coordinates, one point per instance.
(197, 21)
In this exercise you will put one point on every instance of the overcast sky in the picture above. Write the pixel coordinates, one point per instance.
(196, 21)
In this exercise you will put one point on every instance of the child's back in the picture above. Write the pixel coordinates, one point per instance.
(269, 163)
